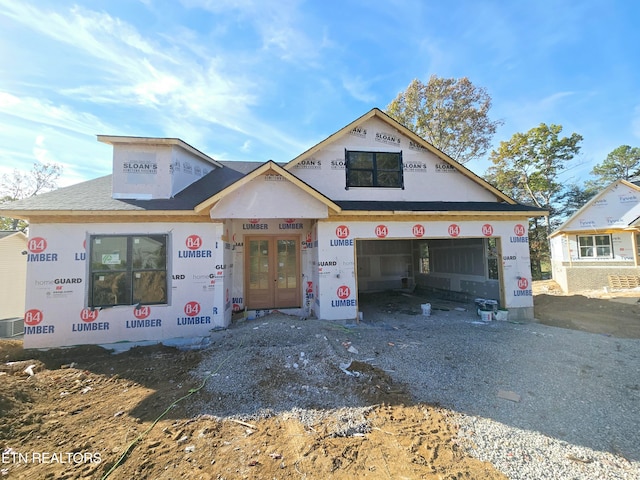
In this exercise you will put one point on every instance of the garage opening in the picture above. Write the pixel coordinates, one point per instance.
(453, 269)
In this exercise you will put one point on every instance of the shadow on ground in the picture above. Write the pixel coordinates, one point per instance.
(583, 388)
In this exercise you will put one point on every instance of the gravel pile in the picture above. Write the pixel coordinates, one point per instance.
(535, 401)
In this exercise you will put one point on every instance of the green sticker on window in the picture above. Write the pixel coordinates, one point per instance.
(111, 259)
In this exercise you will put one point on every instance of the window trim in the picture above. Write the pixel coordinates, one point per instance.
(594, 246)
(128, 269)
(374, 170)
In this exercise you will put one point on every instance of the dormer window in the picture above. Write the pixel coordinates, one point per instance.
(374, 169)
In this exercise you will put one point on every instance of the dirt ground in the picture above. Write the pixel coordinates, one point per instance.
(85, 413)
(614, 313)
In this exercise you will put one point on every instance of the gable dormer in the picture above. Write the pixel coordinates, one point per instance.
(377, 158)
(155, 168)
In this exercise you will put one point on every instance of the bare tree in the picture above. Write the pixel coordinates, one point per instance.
(20, 184)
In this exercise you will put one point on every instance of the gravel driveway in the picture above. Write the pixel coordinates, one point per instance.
(579, 387)
(570, 395)
(525, 393)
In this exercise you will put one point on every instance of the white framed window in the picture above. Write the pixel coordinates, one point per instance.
(127, 270)
(594, 246)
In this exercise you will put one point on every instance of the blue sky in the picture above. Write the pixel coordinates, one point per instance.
(260, 79)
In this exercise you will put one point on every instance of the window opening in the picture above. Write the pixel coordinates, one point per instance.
(374, 169)
(127, 270)
(594, 246)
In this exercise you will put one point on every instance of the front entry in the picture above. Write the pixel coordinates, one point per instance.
(272, 272)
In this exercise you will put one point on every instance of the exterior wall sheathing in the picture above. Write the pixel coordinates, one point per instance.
(199, 296)
(336, 296)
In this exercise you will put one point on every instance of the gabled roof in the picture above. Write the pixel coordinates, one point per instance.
(193, 202)
(377, 113)
(593, 200)
(94, 196)
(265, 168)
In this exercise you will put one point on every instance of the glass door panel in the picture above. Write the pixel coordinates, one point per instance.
(288, 289)
(259, 285)
(272, 272)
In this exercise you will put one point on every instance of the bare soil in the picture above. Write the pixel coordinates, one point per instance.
(86, 413)
(614, 313)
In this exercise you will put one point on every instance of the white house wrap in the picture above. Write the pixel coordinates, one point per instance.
(173, 242)
(597, 247)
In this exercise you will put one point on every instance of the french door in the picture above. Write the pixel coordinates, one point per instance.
(272, 272)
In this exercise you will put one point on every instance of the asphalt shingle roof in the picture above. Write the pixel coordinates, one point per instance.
(95, 195)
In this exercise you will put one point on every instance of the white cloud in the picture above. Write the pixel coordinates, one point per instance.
(176, 82)
(281, 25)
(359, 88)
(24, 144)
(8, 101)
(550, 102)
(40, 151)
(46, 113)
(524, 113)
(96, 33)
